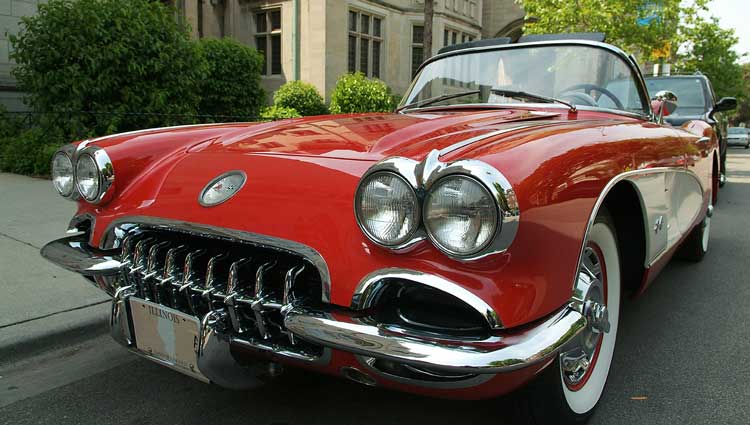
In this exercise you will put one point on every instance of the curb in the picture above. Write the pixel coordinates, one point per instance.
(54, 331)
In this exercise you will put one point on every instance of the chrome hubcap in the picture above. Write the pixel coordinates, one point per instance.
(580, 354)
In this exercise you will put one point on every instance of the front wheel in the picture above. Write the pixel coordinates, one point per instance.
(569, 389)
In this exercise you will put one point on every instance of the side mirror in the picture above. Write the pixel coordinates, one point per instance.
(725, 104)
(663, 104)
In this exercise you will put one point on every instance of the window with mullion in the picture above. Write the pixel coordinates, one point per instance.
(365, 43)
(417, 48)
(268, 39)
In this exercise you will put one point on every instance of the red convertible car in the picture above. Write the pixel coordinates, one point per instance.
(478, 240)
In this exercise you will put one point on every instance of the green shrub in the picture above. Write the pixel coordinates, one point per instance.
(128, 58)
(300, 96)
(232, 86)
(273, 113)
(356, 93)
(30, 152)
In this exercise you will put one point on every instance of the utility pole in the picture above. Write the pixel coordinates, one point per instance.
(429, 12)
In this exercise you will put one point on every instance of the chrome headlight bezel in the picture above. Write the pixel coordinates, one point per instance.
(493, 212)
(423, 175)
(105, 169)
(412, 235)
(66, 155)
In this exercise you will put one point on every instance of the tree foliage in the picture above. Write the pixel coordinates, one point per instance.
(708, 48)
(646, 27)
(122, 57)
(232, 86)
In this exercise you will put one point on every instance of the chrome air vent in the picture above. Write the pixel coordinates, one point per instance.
(248, 287)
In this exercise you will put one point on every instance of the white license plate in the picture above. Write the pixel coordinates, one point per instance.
(167, 335)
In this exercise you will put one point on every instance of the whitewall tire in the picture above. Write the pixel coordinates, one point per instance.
(570, 388)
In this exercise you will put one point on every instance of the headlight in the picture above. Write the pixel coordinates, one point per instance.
(460, 215)
(387, 208)
(62, 174)
(87, 177)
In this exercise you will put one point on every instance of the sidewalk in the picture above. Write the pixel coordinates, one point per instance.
(41, 305)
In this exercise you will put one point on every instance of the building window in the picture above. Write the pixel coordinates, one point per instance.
(365, 42)
(268, 39)
(417, 48)
(451, 37)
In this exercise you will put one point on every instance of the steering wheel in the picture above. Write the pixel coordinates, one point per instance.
(588, 88)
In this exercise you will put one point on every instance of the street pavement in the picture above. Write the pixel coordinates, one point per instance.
(682, 358)
(41, 305)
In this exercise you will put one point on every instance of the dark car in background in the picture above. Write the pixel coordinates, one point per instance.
(738, 136)
(697, 101)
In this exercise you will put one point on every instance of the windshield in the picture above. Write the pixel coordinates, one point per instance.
(691, 99)
(579, 74)
(737, 130)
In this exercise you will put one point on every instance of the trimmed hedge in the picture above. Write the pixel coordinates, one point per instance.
(356, 93)
(232, 85)
(301, 96)
(273, 113)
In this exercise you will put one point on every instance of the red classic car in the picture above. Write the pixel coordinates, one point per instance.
(476, 241)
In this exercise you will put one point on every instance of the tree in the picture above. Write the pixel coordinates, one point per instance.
(648, 27)
(429, 13)
(708, 48)
(130, 60)
(232, 86)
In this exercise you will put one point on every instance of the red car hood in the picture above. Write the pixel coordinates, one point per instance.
(365, 137)
(372, 136)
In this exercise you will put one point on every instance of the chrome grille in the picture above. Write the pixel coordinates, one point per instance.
(246, 289)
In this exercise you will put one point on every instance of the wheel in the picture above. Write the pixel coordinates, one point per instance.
(569, 389)
(747, 146)
(695, 246)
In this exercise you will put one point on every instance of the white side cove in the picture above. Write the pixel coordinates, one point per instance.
(671, 199)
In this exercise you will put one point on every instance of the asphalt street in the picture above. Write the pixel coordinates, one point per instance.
(682, 358)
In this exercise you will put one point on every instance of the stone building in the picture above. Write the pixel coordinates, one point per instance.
(318, 40)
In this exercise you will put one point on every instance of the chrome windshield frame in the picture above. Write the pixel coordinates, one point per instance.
(628, 59)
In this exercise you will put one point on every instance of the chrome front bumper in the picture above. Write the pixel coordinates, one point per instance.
(337, 328)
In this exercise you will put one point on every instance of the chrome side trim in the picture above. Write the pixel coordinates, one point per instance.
(456, 146)
(651, 213)
(75, 254)
(368, 288)
(116, 230)
(422, 175)
(516, 350)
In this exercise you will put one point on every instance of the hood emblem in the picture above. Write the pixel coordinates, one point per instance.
(222, 188)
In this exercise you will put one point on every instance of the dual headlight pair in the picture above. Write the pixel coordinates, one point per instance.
(460, 215)
(87, 173)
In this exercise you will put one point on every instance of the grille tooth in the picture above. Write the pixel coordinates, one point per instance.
(127, 249)
(189, 272)
(260, 278)
(172, 264)
(140, 262)
(233, 281)
(214, 263)
(154, 267)
(140, 256)
(233, 284)
(289, 281)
